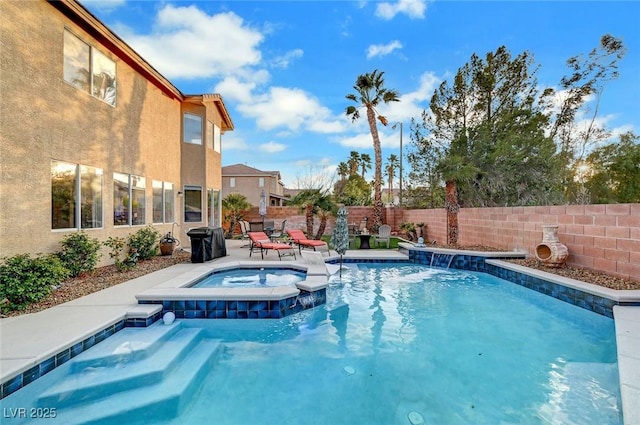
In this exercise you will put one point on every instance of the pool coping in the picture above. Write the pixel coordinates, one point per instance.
(111, 307)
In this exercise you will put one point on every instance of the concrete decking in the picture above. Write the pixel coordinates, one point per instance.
(27, 340)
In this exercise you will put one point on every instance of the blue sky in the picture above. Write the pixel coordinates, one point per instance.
(283, 68)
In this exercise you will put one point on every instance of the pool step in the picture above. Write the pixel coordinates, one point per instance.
(92, 382)
(575, 387)
(164, 399)
(128, 345)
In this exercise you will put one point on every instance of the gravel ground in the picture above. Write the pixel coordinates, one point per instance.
(105, 277)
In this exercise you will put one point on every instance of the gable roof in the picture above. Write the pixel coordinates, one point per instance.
(246, 171)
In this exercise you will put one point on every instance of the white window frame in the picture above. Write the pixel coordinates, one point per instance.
(101, 81)
(188, 128)
(79, 194)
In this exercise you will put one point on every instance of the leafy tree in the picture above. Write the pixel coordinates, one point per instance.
(234, 206)
(613, 171)
(586, 81)
(353, 191)
(369, 93)
(482, 128)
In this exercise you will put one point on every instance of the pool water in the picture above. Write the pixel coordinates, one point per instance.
(251, 278)
(399, 344)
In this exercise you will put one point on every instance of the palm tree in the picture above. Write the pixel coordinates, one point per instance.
(365, 163)
(370, 91)
(343, 170)
(234, 205)
(392, 164)
(315, 202)
(353, 162)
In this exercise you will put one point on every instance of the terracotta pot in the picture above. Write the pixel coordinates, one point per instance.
(166, 248)
(551, 252)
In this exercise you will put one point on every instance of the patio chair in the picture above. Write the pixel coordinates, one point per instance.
(299, 238)
(278, 233)
(260, 241)
(384, 235)
(244, 228)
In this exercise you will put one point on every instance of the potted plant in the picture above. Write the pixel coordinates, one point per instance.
(168, 243)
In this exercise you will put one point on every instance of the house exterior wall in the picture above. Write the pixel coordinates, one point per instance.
(44, 118)
(250, 188)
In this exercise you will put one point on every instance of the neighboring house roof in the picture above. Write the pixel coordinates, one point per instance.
(93, 26)
(291, 193)
(246, 171)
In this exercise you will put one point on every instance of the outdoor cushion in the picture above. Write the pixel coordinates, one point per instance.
(301, 240)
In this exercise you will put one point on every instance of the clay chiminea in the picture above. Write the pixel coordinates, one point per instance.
(551, 252)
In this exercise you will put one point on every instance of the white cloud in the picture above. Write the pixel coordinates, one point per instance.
(290, 108)
(383, 49)
(357, 142)
(187, 43)
(285, 60)
(272, 147)
(414, 9)
(233, 141)
(240, 90)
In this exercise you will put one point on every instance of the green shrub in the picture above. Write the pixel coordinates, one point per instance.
(25, 280)
(80, 253)
(117, 246)
(144, 243)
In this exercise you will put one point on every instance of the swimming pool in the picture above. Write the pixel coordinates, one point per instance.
(251, 278)
(395, 344)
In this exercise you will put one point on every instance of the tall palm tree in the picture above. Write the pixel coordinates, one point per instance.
(369, 92)
(365, 163)
(392, 164)
(353, 162)
(343, 170)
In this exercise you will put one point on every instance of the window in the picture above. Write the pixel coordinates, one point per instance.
(192, 204)
(260, 181)
(232, 182)
(128, 200)
(214, 208)
(74, 188)
(217, 142)
(88, 69)
(192, 129)
(163, 202)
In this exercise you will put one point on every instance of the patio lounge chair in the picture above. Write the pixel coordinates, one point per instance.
(260, 240)
(384, 235)
(299, 238)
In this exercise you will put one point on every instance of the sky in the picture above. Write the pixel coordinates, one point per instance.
(283, 68)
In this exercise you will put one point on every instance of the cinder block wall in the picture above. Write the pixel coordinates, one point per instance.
(599, 237)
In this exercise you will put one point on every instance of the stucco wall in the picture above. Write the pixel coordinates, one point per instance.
(44, 118)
